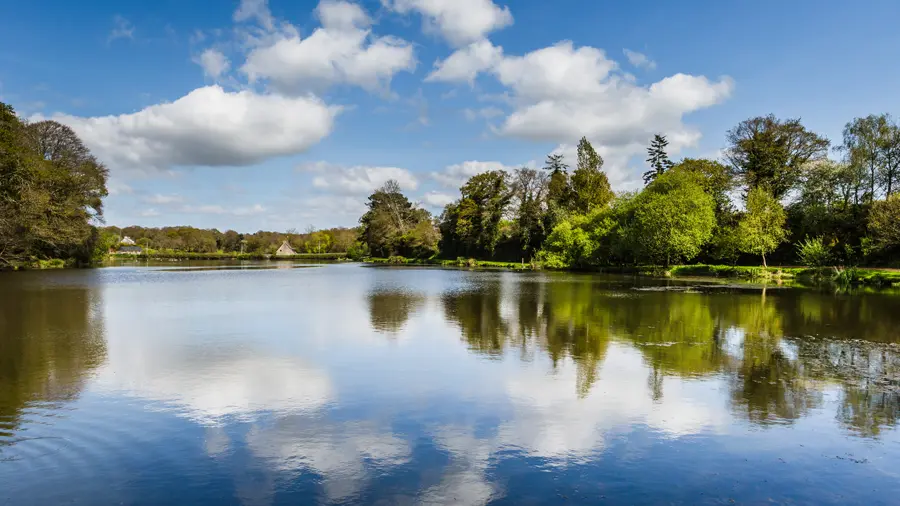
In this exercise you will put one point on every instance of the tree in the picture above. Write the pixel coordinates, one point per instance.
(890, 149)
(762, 227)
(674, 217)
(559, 191)
(865, 143)
(715, 179)
(657, 158)
(884, 222)
(590, 186)
(529, 189)
(389, 217)
(471, 226)
(51, 192)
(771, 153)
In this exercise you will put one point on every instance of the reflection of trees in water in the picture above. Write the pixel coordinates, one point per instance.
(763, 342)
(477, 312)
(50, 339)
(389, 310)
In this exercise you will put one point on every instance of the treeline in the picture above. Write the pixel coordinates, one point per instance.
(51, 193)
(196, 240)
(777, 196)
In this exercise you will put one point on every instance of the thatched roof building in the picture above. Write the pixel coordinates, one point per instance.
(285, 250)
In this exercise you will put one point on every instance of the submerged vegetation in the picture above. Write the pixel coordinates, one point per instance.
(776, 198)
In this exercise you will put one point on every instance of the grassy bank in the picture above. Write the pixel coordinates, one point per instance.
(850, 275)
(227, 256)
(460, 262)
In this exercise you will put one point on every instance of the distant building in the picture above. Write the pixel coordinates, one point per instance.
(285, 250)
(131, 250)
(128, 246)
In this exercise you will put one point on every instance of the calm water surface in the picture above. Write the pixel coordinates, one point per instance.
(351, 384)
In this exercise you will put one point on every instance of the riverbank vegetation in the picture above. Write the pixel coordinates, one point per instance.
(51, 195)
(191, 242)
(776, 197)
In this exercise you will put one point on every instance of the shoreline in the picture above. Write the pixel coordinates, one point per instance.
(861, 276)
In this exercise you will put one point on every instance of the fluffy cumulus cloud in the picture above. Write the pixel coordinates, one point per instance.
(465, 64)
(358, 180)
(437, 199)
(207, 127)
(460, 22)
(342, 51)
(562, 92)
(455, 175)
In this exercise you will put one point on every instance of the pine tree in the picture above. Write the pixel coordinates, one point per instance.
(657, 158)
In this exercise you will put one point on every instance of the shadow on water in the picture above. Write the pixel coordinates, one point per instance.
(51, 339)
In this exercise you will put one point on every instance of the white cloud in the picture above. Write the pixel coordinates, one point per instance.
(257, 10)
(460, 22)
(116, 187)
(485, 112)
(562, 93)
(438, 199)
(342, 15)
(343, 50)
(163, 199)
(465, 64)
(558, 71)
(207, 127)
(149, 213)
(456, 175)
(639, 60)
(213, 62)
(361, 180)
(122, 29)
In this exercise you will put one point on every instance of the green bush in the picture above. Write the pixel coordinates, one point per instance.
(813, 252)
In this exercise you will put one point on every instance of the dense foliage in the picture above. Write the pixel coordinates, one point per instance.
(777, 197)
(195, 240)
(393, 226)
(51, 193)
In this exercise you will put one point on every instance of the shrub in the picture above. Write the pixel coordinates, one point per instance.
(813, 252)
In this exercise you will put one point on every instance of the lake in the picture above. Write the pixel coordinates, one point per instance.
(344, 383)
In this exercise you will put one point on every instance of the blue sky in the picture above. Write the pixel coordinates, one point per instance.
(285, 114)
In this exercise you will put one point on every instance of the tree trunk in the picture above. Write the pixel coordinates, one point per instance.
(764, 261)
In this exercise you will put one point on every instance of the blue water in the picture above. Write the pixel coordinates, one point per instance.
(345, 384)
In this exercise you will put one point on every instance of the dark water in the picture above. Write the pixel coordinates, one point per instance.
(347, 384)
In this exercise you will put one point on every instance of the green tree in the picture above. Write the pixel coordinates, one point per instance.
(590, 186)
(529, 189)
(884, 222)
(715, 179)
(51, 192)
(389, 218)
(471, 226)
(762, 226)
(657, 158)
(771, 153)
(865, 140)
(890, 169)
(674, 218)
